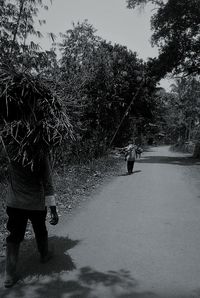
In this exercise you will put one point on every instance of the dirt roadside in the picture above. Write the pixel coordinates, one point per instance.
(74, 185)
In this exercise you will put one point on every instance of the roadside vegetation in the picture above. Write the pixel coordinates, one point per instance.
(96, 95)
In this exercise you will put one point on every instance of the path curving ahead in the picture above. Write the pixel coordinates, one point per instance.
(138, 237)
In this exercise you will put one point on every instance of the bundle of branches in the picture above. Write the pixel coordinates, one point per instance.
(32, 120)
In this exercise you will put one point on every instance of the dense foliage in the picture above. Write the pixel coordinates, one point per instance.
(182, 110)
(101, 80)
(175, 25)
(107, 91)
(32, 120)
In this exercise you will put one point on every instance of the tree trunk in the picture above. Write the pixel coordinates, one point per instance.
(17, 24)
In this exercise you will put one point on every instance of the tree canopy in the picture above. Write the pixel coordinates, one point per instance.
(101, 81)
(175, 25)
(106, 89)
(17, 26)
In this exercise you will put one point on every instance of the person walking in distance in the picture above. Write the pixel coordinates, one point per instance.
(30, 192)
(130, 158)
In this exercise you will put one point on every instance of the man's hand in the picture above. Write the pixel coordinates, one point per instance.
(54, 216)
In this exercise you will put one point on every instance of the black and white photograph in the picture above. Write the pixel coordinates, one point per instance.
(100, 148)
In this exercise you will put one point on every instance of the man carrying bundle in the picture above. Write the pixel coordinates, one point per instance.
(30, 191)
(33, 123)
(130, 157)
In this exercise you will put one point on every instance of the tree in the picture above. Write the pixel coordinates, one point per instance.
(179, 110)
(28, 84)
(186, 91)
(16, 26)
(175, 26)
(101, 80)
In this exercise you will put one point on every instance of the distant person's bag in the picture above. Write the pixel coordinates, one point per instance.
(139, 150)
(130, 155)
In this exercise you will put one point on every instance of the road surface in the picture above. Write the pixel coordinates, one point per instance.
(139, 236)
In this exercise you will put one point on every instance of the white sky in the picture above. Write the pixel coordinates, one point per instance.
(113, 21)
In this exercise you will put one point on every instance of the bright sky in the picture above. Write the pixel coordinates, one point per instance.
(113, 21)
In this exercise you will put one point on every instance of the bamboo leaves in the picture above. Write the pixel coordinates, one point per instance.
(31, 117)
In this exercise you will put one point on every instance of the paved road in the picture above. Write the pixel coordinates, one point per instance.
(138, 237)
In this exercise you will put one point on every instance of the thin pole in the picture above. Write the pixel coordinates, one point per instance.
(125, 114)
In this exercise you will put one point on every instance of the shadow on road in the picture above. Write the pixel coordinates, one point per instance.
(29, 264)
(88, 283)
(182, 161)
(126, 174)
